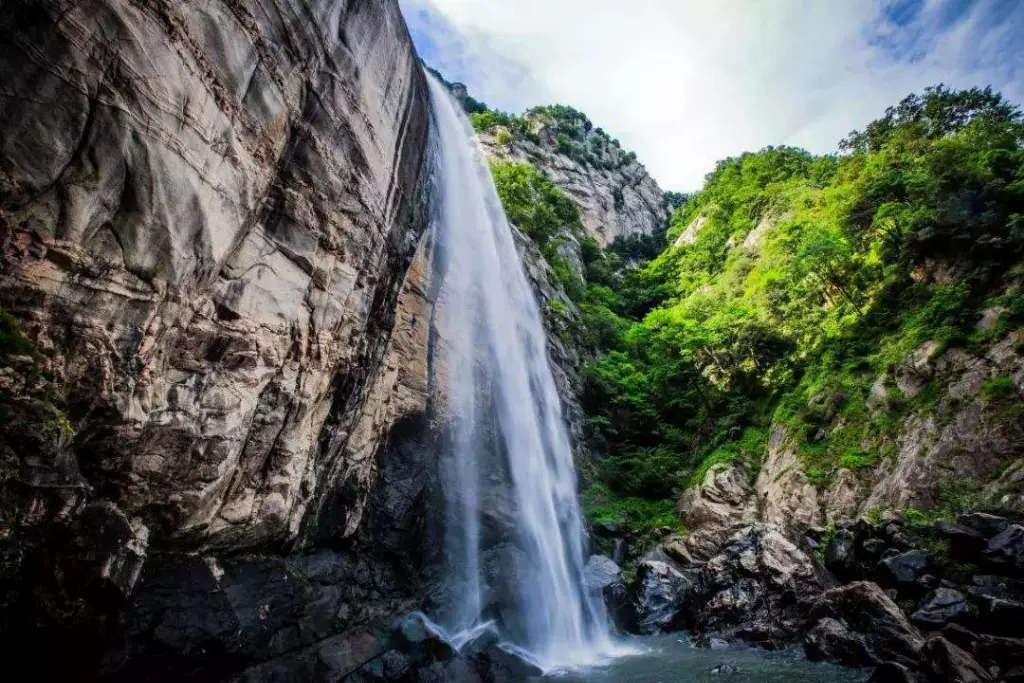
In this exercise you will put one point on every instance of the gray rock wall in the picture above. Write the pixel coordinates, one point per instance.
(208, 216)
(614, 193)
(208, 212)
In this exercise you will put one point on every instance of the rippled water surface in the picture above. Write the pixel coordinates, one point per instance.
(671, 659)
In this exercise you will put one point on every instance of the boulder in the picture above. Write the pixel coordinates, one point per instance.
(839, 553)
(832, 640)
(944, 662)
(1004, 653)
(964, 542)
(1006, 549)
(603, 576)
(715, 509)
(905, 569)
(514, 664)
(940, 607)
(756, 588)
(985, 524)
(963, 638)
(990, 585)
(664, 595)
(601, 573)
(863, 609)
(1001, 617)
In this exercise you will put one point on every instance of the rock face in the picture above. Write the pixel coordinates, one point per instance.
(965, 437)
(615, 195)
(784, 495)
(716, 509)
(208, 213)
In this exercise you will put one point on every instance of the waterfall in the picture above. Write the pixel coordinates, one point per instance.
(507, 436)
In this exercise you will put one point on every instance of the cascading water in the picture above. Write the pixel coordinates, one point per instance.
(501, 398)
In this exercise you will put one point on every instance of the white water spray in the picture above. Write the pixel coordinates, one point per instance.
(502, 396)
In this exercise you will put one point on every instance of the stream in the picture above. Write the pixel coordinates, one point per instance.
(670, 658)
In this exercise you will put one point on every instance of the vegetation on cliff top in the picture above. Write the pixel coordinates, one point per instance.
(795, 281)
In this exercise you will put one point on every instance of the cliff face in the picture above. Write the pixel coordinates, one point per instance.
(963, 447)
(208, 215)
(613, 191)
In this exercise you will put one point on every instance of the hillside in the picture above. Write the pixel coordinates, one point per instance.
(846, 327)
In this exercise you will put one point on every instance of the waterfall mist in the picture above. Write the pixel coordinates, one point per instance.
(507, 436)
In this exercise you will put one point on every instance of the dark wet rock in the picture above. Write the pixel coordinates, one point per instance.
(665, 596)
(904, 569)
(964, 542)
(874, 547)
(1006, 549)
(1003, 587)
(863, 609)
(985, 524)
(512, 664)
(506, 568)
(239, 612)
(756, 588)
(995, 651)
(963, 638)
(891, 672)
(1014, 675)
(944, 662)
(1000, 617)
(603, 575)
(839, 554)
(831, 640)
(941, 607)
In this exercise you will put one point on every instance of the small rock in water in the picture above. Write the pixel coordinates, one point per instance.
(717, 644)
(725, 670)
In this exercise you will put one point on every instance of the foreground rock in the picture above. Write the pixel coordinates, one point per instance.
(942, 661)
(940, 607)
(665, 597)
(859, 625)
(755, 589)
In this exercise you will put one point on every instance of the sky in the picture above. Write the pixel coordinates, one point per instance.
(684, 83)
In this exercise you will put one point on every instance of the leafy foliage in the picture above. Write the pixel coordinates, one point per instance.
(532, 202)
(806, 278)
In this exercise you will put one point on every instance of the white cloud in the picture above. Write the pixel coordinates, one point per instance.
(687, 82)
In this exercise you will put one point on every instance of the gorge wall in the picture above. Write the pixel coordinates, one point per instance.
(210, 212)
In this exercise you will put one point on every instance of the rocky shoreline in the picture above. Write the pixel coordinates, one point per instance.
(918, 603)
